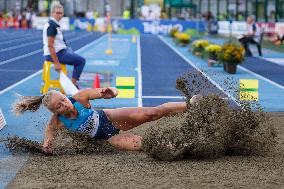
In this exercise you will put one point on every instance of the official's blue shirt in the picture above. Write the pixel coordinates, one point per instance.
(52, 28)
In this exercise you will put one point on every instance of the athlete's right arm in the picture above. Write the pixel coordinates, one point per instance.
(49, 134)
(53, 55)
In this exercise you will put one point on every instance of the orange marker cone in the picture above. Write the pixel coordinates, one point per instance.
(97, 82)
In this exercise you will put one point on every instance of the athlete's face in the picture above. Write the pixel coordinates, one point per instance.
(58, 13)
(60, 104)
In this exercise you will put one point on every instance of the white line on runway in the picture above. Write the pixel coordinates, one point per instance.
(20, 57)
(139, 72)
(193, 65)
(20, 82)
(31, 76)
(261, 77)
(39, 50)
(29, 37)
(279, 61)
(19, 46)
(19, 40)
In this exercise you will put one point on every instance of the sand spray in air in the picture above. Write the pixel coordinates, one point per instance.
(210, 128)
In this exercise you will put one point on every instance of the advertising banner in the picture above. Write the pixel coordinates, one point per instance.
(239, 27)
(279, 29)
(39, 23)
(160, 26)
(143, 26)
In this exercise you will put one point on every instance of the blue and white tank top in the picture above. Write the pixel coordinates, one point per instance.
(87, 120)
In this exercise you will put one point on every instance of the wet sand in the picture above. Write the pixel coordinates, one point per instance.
(138, 170)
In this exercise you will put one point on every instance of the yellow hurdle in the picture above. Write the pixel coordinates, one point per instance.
(47, 82)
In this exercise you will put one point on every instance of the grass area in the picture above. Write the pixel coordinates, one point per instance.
(270, 45)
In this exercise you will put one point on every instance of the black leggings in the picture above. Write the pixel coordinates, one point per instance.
(245, 42)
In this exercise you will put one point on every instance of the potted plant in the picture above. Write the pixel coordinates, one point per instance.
(212, 51)
(231, 55)
(182, 38)
(198, 47)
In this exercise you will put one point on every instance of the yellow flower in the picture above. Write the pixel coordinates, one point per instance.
(200, 43)
(182, 37)
(173, 31)
(212, 48)
(231, 53)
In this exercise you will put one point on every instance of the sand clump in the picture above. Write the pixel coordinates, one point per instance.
(210, 128)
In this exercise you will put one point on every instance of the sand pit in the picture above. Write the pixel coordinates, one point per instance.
(213, 145)
(137, 170)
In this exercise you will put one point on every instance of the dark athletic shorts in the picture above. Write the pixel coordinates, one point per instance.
(106, 129)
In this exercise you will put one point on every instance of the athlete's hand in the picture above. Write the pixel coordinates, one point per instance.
(57, 67)
(109, 92)
(47, 146)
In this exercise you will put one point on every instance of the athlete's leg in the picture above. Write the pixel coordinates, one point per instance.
(128, 118)
(126, 141)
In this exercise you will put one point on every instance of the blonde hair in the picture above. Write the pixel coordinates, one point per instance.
(55, 5)
(32, 103)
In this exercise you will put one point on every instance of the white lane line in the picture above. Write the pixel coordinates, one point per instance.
(90, 44)
(19, 40)
(20, 82)
(11, 70)
(30, 37)
(33, 75)
(162, 97)
(19, 46)
(23, 45)
(279, 61)
(140, 103)
(193, 65)
(20, 57)
(261, 77)
(38, 51)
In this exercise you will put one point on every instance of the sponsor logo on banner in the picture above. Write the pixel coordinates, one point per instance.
(155, 27)
(149, 27)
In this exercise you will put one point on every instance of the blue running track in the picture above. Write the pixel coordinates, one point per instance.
(18, 63)
(161, 66)
(154, 61)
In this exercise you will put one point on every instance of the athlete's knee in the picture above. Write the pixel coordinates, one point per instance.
(82, 61)
(164, 109)
(154, 113)
(78, 60)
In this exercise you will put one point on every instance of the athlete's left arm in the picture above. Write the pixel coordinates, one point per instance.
(90, 94)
